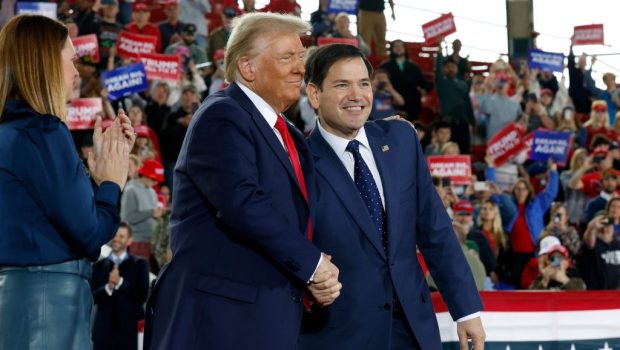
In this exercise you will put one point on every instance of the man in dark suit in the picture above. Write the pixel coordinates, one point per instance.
(120, 285)
(243, 207)
(361, 169)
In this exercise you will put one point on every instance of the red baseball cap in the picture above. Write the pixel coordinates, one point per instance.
(463, 207)
(141, 130)
(140, 6)
(153, 170)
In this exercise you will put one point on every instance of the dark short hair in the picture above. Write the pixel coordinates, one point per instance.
(381, 70)
(447, 61)
(325, 57)
(392, 55)
(126, 226)
(440, 124)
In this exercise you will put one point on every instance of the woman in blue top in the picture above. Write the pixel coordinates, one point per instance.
(527, 222)
(53, 218)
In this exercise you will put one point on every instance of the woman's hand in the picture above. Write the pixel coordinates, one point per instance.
(110, 161)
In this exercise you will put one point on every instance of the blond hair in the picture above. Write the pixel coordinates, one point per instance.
(248, 29)
(497, 231)
(31, 64)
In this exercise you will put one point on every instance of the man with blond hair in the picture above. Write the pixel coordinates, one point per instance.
(243, 265)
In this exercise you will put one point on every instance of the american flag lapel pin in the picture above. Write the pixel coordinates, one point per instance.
(385, 148)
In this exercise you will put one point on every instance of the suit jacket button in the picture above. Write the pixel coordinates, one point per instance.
(387, 306)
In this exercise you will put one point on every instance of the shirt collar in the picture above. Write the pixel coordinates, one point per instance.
(339, 144)
(121, 257)
(263, 107)
(606, 196)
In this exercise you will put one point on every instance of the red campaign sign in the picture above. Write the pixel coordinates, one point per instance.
(442, 26)
(592, 34)
(158, 66)
(133, 45)
(457, 168)
(322, 41)
(81, 113)
(506, 144)
(87, 45)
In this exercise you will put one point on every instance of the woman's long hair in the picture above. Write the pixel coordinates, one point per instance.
(31, 64)
(497, 231)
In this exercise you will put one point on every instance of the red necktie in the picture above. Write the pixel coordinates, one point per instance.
(294, 158)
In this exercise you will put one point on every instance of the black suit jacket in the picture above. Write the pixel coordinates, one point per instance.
(121, 311)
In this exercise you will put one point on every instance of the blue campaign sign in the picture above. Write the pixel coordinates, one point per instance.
(551, 144)
(40, 8)
(337, 6)
(547, 61)
(125, 81)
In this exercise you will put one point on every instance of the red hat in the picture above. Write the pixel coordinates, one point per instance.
(546, 91)
(141, 130)
(599, 106)
(463, 207)
(219, 54)
(600, 151)
(140, 6)
(153, 170)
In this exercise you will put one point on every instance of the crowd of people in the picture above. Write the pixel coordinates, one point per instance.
(521, 224)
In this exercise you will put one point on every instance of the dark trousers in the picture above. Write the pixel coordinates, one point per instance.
(117, 341)
(402, 336)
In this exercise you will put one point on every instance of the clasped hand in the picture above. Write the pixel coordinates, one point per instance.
(325, 287)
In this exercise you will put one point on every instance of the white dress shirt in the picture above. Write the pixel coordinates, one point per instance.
(339, 145)
(117, 260)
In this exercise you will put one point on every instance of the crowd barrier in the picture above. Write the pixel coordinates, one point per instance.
(537, 320)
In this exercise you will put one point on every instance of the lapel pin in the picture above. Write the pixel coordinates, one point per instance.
(385, 148)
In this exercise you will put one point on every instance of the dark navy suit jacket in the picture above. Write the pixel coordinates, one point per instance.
(361, 317)
(238, 233)
(118, 314)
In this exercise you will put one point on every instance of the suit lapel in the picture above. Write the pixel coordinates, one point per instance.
(384, 152)
(331, 168)
(268, 134)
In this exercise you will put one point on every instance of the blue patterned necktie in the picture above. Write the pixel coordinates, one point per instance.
(369, 191)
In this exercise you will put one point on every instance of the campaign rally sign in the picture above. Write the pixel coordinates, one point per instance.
(442, 26)
(157, 66)
(550, 144)
(47, 9)
(337, 6)
(125, 81)
(133, 45)
(81, 113)
(87, 45)
(547, 61)
(457, 168)
(506, 144)
(322, 41)
(592, 34)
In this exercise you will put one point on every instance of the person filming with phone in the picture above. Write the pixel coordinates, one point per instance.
(600, 261)
(386, 100)
(555, 268)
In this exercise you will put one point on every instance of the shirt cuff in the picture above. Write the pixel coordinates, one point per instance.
(316, 268)
(469, 317)
(108, 289)
(118, 285)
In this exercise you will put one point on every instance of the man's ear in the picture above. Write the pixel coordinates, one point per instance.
(314, 93)
(246, 69)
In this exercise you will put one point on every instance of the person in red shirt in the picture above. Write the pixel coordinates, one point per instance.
(141, 25)
(283, 6)
(598, 124)
(587, 179)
